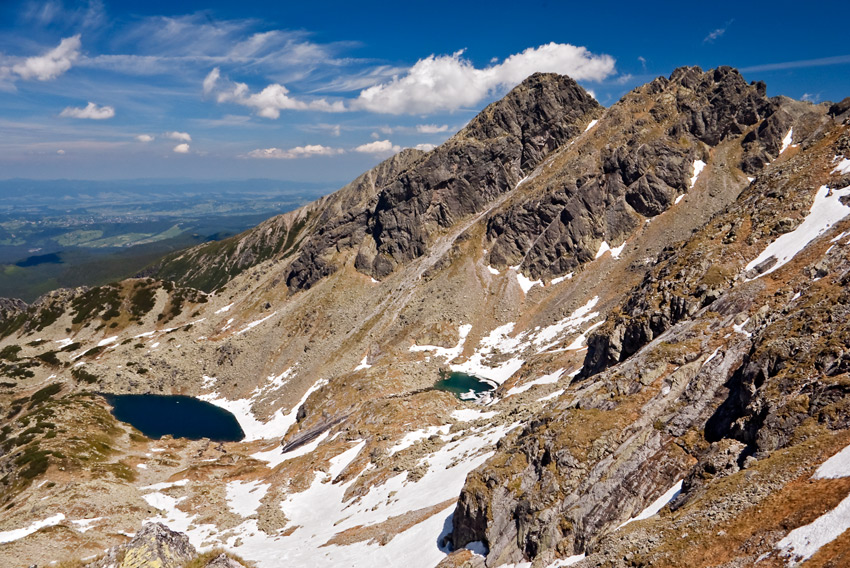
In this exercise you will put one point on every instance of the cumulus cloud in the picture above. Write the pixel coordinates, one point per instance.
(425, 147)
(60, 152)
(51, 64)
(90, 111)
(267, 103)
(294, 153)
(379, 148)
(174, 135)
(431, 128)
(450, 82)
(145, 138)
(182, 149)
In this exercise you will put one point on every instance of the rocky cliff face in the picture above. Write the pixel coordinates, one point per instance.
(655, 291)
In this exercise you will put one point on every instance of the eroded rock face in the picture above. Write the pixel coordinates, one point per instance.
(483, 161)
(636, 169)
(154, 545)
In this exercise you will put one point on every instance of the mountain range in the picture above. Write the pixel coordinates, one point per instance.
(653, 296)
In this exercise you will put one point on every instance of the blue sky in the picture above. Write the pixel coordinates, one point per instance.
(321, 91)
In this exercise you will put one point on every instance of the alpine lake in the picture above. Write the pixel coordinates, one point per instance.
(156, 415)
(464, 386)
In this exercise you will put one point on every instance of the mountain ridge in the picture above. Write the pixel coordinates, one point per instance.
(326, 329)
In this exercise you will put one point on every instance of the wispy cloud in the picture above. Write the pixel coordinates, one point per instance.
(90, 111)
(295, 153)
(718, 33)
(431, 128)
(821, 62)
(450, 82)
(145, 138)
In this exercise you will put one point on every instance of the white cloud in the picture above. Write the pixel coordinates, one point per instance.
(90, 111)
(60, 152)
(294, 153)
(717, 34)
(267, 103)
(450, 82)
(182, 149)
(425, 147)
(174, 135)
(51, 64)
(379, 148)
(431, 128)
(144, 138)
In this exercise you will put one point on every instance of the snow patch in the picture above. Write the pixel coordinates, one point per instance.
(803, 542)
(605, 247)
(843, 167)
(107, 341)
(9, 536)
(208, 382)
(544, 380)
(526, 283)
(555, 394)
(835, 467)
(699, 166)
(275, 427)
(254, 324)
(364, 364)
(275, 456)
(560, 279)
(786, 142)
(493, 270)
(678, 199)
(224, 309)
(657, 505)
(469, 414)
(591, 125)
(84, 525)
(447, 353)
(244, 497)
(826, 210)
(412, 437)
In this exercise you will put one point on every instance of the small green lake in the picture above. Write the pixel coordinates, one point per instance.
(156, 415)
(465, 387)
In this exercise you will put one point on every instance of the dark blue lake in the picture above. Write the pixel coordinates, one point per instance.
(156, 415)
(466, 387)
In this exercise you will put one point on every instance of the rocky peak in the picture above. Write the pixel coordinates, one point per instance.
(542, 112)
(482, 162)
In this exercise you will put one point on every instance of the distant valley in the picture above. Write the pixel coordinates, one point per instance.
(68, 233)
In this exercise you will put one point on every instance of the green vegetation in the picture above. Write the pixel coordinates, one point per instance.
(83, 376)
(45, 393)
(50, 358)
(10, 352)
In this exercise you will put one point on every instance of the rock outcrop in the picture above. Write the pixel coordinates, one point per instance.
(154, 545)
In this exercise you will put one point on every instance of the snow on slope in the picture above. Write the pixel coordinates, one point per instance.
(9, 536)
(826, 210)
(835, 467)
(803, 542)
(657, 505)
(319, 513)
(499, 343)
(275, 427)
